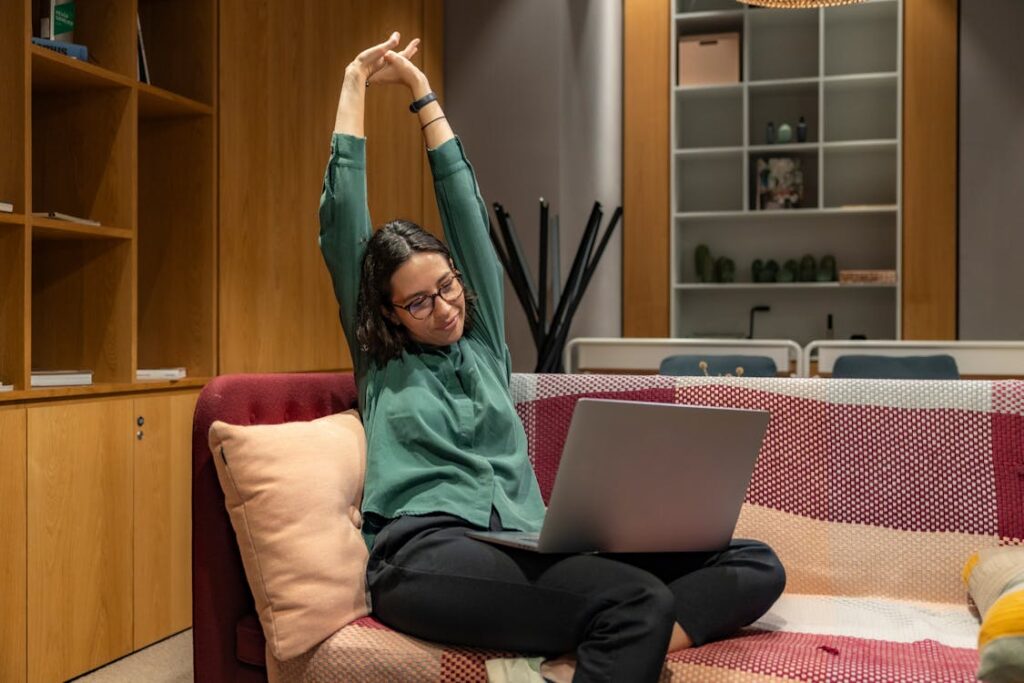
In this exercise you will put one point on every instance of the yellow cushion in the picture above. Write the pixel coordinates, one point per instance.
(995, 580)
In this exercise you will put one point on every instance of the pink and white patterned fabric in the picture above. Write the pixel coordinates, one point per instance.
(867, 489)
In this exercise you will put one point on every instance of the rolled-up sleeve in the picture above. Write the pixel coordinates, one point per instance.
(345, 227)
(464, 218)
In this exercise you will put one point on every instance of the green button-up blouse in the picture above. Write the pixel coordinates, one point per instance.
(442, 431)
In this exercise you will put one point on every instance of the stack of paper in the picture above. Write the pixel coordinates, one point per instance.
(61, 378)
(867, 277)
(143, 374)
(6, 207)
(6, 387)
(65, 217)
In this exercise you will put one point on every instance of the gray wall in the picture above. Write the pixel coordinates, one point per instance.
(991, 170)
(534, 89)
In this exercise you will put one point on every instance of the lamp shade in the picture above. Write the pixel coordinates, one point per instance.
(799, 4)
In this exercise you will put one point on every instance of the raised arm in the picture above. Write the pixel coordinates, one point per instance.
(345, 224)
(463, 214)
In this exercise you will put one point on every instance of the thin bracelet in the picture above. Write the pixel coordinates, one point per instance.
(423, 127)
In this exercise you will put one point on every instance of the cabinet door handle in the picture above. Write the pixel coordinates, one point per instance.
(138, 435)
(140, 421)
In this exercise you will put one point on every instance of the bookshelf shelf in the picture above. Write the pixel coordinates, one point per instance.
(12, 218)
(54, 72)
(788, 214)
(99, 389)
(157, 103)
(707, 151)
(758, 286)
(50, 228)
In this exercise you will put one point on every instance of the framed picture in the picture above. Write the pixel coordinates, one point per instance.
(779, 183)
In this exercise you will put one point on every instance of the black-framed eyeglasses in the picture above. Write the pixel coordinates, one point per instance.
(422, 306)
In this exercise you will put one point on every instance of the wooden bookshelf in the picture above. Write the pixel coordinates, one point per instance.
(89, 140)
(840, 69)
(95, 472)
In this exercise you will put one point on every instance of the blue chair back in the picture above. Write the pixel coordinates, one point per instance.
(939, 366)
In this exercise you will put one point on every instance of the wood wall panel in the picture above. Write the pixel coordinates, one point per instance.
(281, 66)
(930, 169)
(12, 545)
(433, 66)
(645, 157)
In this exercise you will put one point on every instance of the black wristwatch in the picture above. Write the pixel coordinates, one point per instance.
(422, 102)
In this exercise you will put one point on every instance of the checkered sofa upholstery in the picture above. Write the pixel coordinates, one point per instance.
(873, 493)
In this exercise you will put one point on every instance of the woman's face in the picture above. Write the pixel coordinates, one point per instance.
(414, 285)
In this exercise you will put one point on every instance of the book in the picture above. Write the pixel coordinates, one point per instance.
(73, 50)
(65, 217)
(867, 277)
(143, 374)
(6, 387)
(61, 378)
(57, 20)
(142, 67)
(6, 207)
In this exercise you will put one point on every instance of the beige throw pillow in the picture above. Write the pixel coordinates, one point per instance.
(293, 492)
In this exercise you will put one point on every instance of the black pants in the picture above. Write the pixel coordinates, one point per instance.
(616, 611)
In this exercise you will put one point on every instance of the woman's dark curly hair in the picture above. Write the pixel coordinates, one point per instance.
(389, 248)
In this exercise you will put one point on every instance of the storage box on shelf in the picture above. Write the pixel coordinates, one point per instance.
(839, 70)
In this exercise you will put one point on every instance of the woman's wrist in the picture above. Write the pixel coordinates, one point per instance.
(356, 74)
(419, 87)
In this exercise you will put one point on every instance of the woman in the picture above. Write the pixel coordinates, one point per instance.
(447, 452)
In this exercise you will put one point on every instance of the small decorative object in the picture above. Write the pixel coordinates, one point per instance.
(785, 133)
(771, 271)
(756, 270)
(761, 308)
(780, 183)
(704, 263)
(801, 130)
(703, 365)
(827, 269)
(725, 270)
(790, 271)
(867, 277)
(808, 269)
(769, 134)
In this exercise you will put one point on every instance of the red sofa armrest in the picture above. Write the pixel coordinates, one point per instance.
(220, 593)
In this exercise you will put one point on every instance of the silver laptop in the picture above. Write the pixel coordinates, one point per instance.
(646, 477)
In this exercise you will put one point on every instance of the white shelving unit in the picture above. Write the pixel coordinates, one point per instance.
(840, 68)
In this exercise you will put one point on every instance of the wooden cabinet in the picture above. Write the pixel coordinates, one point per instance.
(108, 528)
(79, 536)
(163, 516)
(12, 544)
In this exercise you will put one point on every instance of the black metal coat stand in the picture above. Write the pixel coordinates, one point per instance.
(550, 331)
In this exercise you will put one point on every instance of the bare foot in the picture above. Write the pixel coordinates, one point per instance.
(679, 641)
(560, 670)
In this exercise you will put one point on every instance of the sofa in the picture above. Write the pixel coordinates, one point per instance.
(872, 492)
